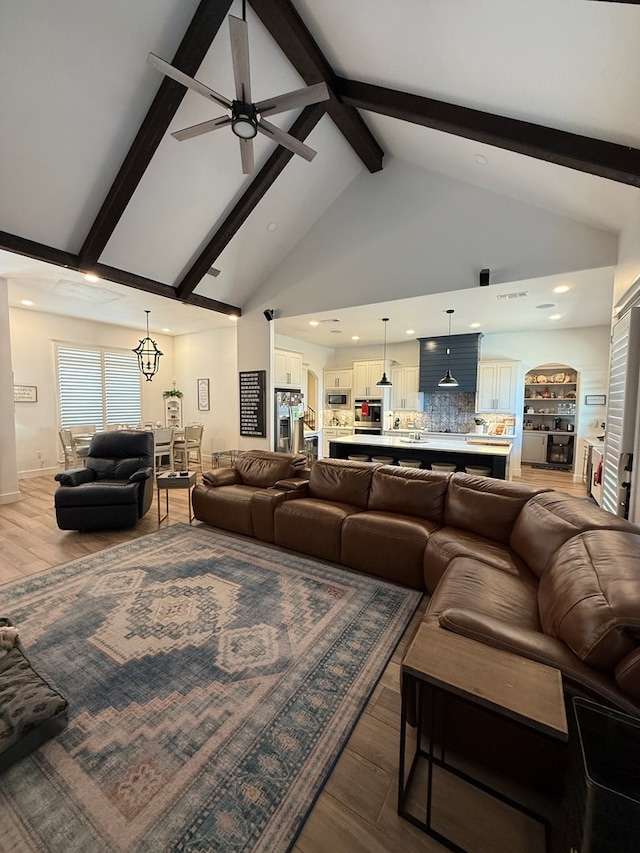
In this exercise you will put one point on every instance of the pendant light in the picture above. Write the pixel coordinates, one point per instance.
(384, 382)
(148, 355)
(448, 381)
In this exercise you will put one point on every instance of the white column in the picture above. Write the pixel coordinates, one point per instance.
(255, 352)
(8, 465)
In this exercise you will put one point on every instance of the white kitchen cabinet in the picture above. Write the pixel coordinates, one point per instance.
(329, 433)
(365, 376)
(338, 379)
(534, 446)
(287, 368)
(404, 393)
(497, 386)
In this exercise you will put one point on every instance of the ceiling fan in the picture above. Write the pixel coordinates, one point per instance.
(246, 119)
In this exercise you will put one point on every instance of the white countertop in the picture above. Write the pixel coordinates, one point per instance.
(440, 444)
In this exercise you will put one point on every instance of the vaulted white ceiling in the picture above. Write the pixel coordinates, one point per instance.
(76, 87)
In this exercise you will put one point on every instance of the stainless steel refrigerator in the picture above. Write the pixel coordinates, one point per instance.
(289, 425)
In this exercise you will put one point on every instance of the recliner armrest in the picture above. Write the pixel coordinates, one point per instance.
(141, 474)
(221, 477)
(293, 484)
(75, 477)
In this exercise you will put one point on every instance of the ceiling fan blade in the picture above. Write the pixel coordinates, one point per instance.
(203, 127)
(239, 33)
(286, 140)
(293, 100)
(187, 81)
(246, 153)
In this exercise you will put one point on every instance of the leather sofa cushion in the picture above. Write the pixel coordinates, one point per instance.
(485, 506)
(341, 481)
(627, 674)
(536, 646)
(228, 507)
(475, 585)
(372, 542)
(448, 542)
(589, 596)
(408, 491)
(311, 526)
(263, 468)
(101, 494)
(549, 519)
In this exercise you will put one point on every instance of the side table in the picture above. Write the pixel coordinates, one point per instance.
(441, 664)
(166, 481)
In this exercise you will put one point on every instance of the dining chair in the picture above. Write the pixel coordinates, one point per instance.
(74, 454)
(190, 444)
(163, 445)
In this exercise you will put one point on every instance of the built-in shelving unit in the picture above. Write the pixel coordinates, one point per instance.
(549, 416)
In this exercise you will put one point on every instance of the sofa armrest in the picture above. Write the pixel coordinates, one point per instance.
(75, 477)
(536, 646)
(221, 477)
(141, 474)
(263, 507)
(293, 484)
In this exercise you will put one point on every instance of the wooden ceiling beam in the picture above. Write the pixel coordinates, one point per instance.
(66, 260)
(301, 128)
(193, 48)
(296, 42)
(594, 156)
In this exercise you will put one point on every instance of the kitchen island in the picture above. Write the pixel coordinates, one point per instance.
(461, 453)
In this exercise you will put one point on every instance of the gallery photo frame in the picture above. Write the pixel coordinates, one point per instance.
(203, 395)
(595, 400)
(25, 394)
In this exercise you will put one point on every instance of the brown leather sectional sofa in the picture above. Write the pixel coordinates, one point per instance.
(534, 571)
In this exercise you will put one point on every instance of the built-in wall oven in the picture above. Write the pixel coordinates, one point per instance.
(367, 417)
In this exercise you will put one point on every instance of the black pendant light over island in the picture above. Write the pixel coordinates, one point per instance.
(384, 382)
(448, 381)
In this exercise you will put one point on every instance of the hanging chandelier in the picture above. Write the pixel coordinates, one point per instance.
(384, 382)
(448, 381)
(148, 355)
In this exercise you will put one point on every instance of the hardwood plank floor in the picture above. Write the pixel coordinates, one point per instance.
(356, 810)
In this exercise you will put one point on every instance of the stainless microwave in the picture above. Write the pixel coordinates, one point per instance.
(337, 400)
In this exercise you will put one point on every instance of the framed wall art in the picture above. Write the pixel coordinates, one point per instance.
(203, 395)
(25, 394)
(595, 400)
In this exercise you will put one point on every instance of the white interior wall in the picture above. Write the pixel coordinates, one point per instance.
(407, 231)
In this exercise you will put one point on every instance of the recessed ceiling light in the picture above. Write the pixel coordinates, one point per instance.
(547, 305)
(410, 332)
(561, 288)
(480, 159)
(314, 323)
(355, 337)
(555, 317)
(475, 325)
(166, 330)
(272, 226)
(90, 276)
(233, 316)
(26, 302)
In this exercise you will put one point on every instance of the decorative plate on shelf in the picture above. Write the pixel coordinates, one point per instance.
(541, 379)
(558, 377)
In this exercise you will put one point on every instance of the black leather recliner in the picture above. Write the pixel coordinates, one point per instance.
(114, 489)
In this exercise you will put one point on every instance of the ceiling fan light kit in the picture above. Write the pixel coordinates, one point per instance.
(247, 118)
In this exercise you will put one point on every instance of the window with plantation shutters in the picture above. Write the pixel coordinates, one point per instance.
(97, 386)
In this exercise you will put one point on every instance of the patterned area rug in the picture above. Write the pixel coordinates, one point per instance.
(212, 683)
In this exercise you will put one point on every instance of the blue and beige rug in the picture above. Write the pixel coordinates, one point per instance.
(212, 683)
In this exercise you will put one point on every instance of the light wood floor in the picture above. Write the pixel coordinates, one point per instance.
(356, 811)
